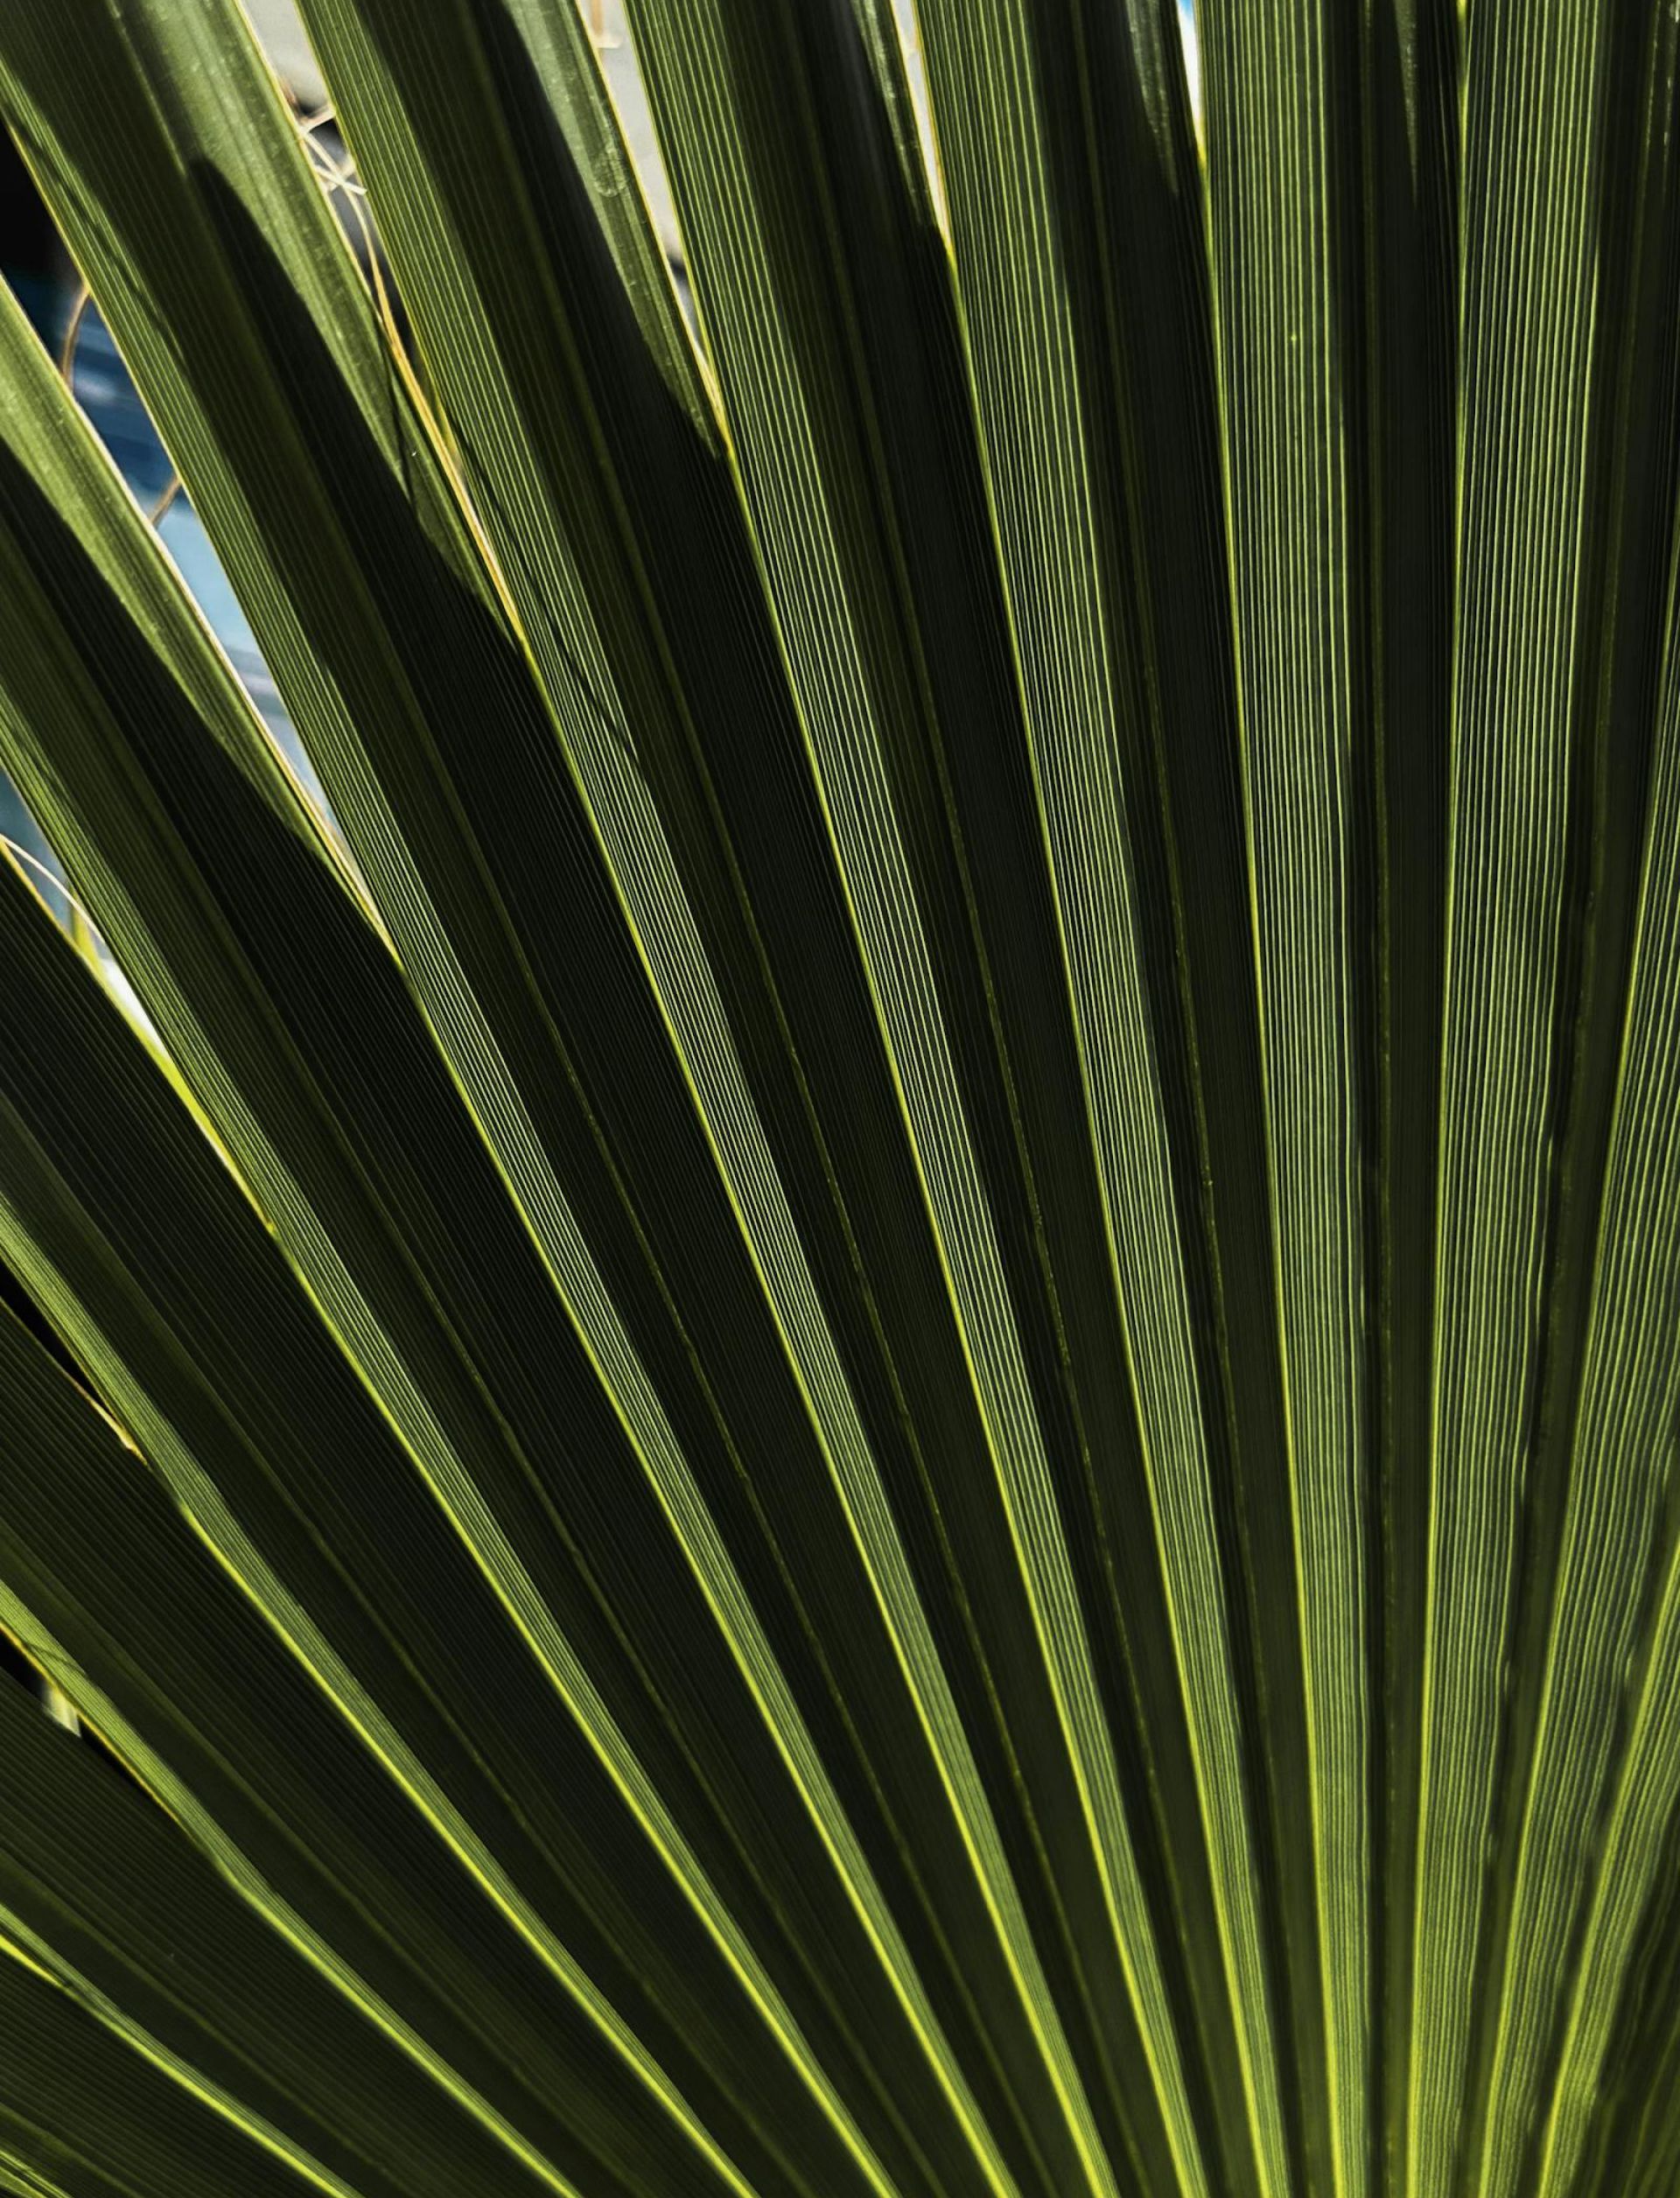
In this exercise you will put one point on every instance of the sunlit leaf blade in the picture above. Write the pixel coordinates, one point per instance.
(252, 1464)
(1125, 653)
(282, 1068)
(1547, 758)
(102, 1892)
(1409, 82)
(222, 1727)
(791, 179)
(1592, 1559)
(521, 1062)
(671, 665)
(878, 1394)
(1279, 157)
(83, 2114)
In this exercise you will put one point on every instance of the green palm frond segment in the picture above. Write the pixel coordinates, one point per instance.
(875, 1392)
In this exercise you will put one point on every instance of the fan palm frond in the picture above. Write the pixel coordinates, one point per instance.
(872, 1389)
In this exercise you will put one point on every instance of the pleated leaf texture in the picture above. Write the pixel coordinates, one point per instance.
(872, 1393)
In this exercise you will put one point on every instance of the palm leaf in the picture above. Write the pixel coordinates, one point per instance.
(877, 1393)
